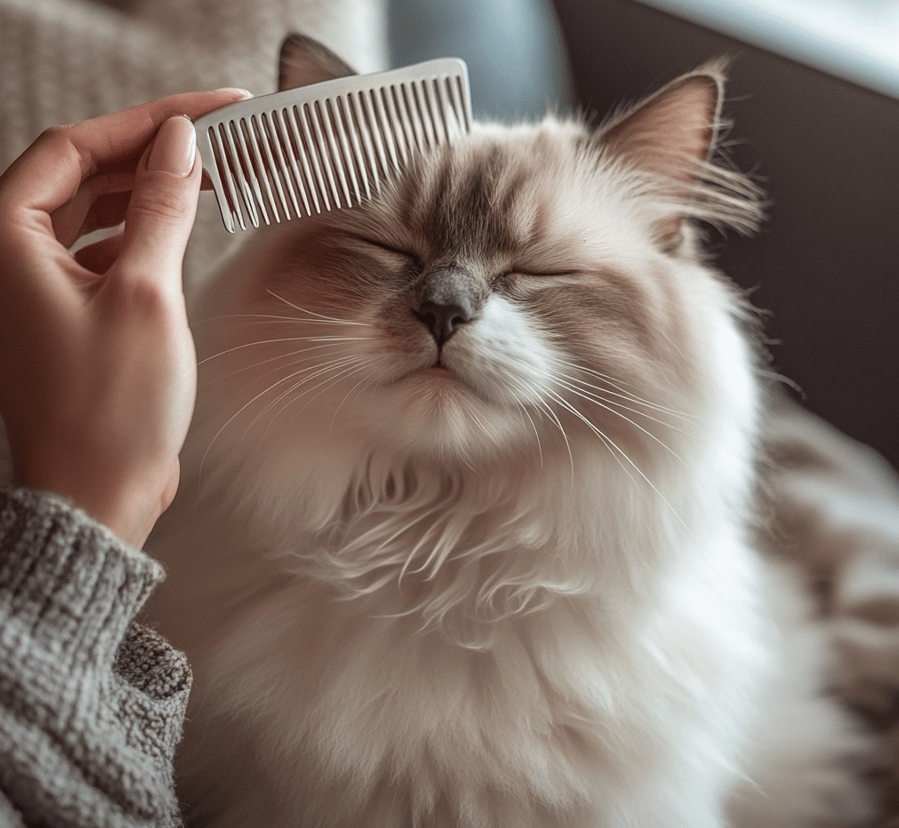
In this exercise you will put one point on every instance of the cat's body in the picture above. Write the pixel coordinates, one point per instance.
(466, 535)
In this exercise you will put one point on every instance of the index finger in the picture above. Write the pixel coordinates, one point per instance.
(50, 171)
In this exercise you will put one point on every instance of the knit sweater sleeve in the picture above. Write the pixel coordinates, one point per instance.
(91, 704)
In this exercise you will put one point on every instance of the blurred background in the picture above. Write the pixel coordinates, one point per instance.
(515, 56)
(814, 96)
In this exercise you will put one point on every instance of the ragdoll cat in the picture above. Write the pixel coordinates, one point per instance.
(465, 532)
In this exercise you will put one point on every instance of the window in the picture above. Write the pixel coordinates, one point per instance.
(855, 39)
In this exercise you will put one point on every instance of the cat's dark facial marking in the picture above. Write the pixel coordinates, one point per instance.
(468, 205)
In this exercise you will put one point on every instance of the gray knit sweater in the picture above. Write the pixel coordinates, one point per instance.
(91, 704)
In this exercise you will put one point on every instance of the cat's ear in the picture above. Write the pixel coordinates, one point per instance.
(671, 134)
(305, 61)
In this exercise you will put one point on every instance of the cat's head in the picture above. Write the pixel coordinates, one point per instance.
(532, 291)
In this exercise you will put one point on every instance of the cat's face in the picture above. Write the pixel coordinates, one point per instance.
(525, 293)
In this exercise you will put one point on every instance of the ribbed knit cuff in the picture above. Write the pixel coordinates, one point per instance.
(67, 583)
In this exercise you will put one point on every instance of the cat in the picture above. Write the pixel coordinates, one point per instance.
(464, 537)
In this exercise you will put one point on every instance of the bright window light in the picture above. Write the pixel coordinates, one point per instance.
(857, 39)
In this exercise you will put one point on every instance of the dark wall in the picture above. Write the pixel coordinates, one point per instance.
(826, 264)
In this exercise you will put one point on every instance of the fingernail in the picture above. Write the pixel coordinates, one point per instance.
(244, 93)
(175, 147)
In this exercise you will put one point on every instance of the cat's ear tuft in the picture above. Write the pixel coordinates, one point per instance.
(305, 61)
(677, 123)
(671, 134)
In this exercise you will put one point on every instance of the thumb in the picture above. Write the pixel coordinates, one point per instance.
(163, 205)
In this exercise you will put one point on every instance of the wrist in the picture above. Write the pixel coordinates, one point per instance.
(129, 508)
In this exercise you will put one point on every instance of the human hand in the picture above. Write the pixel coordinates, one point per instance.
(97, 364)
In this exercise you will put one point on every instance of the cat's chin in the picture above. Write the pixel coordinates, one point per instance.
(433, 412)
(438, 372)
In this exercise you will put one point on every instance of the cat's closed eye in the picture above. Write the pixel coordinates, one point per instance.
(389, 248)
(539, 272)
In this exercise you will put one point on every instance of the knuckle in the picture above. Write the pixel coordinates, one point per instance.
(139, 298)
(56, 137)
(59, 132)
(62, 142)
(161, 204)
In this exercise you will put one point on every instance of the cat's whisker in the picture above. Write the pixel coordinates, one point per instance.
(313, 313)
(479, 421)
(341, 365)
(606, 394)
(238, 413)
(600, 404)
(352, 367)
(228, 422)
(294, 327)
(259, 342)
(334, 338)
(287, 398)
(602, 397)
(229, 321)
(251, 366)
(257, 397)
(365, 382)
(543, 406)
(614, 447)
(623, 392)
(318, 369)
(266, 318)
(322, 387)
(523, 409)
(616, 382)
(604, 438)
(619, 386)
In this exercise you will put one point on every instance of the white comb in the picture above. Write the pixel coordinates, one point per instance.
(329, 145)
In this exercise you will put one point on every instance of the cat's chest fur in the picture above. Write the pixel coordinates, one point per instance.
(510, 631)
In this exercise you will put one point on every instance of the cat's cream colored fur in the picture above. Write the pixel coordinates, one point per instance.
(516, 589)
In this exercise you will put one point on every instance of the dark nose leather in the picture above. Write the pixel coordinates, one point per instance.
(445, 304)
(442, 320)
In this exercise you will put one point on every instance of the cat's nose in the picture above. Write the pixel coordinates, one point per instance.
(442, 320)
(445, 304)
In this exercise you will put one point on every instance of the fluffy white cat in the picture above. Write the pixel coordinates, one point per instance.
(465, 538)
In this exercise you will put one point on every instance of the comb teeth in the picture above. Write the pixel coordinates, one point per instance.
(330, 145)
